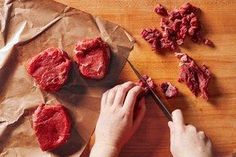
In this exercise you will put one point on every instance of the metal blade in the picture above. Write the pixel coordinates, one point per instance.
(154, 95)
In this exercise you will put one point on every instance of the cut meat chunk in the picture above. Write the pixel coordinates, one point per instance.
(161, 10)
(153, 37)
(52, 126)
(50, 69)
(149, 82)
(92, 57)
(195, 77)
(208, 42)
(169, 90)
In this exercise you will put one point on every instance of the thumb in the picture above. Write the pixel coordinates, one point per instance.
(139, 114)
(171, 127)
(178, 120)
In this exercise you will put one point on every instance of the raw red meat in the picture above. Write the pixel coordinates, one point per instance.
(92, 57)
(159, 40)
(208, 42)
(169, 90)
(161, 10)
(52, 126)
(176, 27)
(195, 77)
(50, 69)
(149, 82)
(153, 36)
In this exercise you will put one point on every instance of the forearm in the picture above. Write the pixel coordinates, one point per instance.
(104, 151)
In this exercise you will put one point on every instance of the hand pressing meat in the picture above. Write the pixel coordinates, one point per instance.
(50, 69)
(119, 118)
(195, 77)
(52, 126)
(93, 58)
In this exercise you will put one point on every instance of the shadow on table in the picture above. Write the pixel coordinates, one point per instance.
(214, 90)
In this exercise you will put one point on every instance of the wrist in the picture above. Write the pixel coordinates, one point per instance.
(104, 150)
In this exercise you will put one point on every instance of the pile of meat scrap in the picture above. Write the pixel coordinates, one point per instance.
(176, 26)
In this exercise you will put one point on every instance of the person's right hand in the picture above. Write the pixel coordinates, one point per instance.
(185, 140)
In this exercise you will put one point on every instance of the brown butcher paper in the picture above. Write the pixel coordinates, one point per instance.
(27, 28)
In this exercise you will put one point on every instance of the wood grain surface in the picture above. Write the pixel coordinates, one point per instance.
(217, 117)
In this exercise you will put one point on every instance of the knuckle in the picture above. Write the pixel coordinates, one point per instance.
(135, 90)
(114, 88)
(113, 110)
(132, 94)
(127, 116)
(117, 86)
(191, 128)
(139, 88)
(126, 112)
(201, 134)
(105, 93)
(128, 83)
(122, 89)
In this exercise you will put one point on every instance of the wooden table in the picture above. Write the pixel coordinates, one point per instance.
(217, 117)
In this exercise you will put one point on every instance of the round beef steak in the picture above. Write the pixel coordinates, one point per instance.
(92, 57)
(52, 126)
(50, 69)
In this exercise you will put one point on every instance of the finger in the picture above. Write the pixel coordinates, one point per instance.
(191, 128)
(201, 135)
(178, 120)
(111, 95)
(137, 106)
(171, 127)
(140, 113)
(131, 98)
(209, 144)
(122, 92)
(104, 98)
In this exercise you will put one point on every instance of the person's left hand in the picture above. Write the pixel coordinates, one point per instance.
(118, 121)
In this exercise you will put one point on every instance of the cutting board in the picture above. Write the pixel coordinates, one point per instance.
(217, 116)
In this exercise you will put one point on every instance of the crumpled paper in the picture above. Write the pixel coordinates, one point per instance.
(27, 28)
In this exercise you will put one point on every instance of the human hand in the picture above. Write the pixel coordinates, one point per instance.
(185, 140)
(118, 120)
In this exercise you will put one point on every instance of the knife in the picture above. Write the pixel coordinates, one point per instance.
(153, 94)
